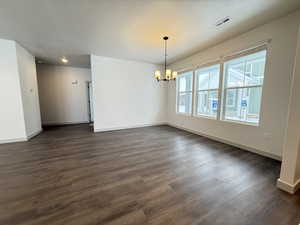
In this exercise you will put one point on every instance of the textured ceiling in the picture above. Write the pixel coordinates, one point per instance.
(129, 29)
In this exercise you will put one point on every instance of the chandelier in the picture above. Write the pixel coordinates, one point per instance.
(167, 74)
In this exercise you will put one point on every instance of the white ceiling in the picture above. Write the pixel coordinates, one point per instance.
(129, 29)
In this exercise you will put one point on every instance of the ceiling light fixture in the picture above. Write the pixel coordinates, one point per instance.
(167, 73)
(64, 59)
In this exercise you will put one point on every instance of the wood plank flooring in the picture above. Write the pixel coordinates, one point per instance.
(145, 176)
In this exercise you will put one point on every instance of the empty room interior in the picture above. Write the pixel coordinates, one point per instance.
(157, 112)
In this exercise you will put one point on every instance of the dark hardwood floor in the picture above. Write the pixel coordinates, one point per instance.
(144, 176)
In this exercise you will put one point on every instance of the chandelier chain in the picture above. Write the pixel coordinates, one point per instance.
(165, 55)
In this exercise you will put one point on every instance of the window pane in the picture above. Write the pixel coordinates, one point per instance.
(245, 71)
(214, 78)
(233, 104)
(234, 73)
(185, 82)
(185, 103)
(208, 77)
(202, 104)
(255, 69)
(203, 80)
(254, 97)
(243, 104)
(207, 104)
(213, 103)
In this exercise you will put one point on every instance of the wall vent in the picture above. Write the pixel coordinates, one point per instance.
(222, 21)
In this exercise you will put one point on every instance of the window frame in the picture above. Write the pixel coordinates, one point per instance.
(178, 92)
(208, 90)
(263, 47)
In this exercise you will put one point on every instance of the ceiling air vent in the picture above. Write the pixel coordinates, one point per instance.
(222, 21)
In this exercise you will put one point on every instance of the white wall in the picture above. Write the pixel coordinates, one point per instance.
(63, 94)
(290, 169)
(126, 94)
(12, 126)
(297, 109)
(19, 111)
(269, 136)
(29, 88)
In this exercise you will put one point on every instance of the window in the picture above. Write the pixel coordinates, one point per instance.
(243, 87)
(207, 91)
(230, 90)
(185, 92)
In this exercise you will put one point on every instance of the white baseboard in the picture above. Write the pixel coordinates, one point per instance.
(129, 127)
(13, 140)
(63, 123)
(290, 188)
(34, 134)
(247, 148)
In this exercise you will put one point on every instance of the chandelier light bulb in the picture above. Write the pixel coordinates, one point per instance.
(64, 59)
(174, 75)
(157, 75)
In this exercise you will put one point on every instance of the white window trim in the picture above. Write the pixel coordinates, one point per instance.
(240, 122)
(205, 116)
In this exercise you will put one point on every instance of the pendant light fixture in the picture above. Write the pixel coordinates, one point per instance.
(167, 74)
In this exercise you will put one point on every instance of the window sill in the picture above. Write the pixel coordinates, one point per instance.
(206, 117)
(241, 122)
(184, 114)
